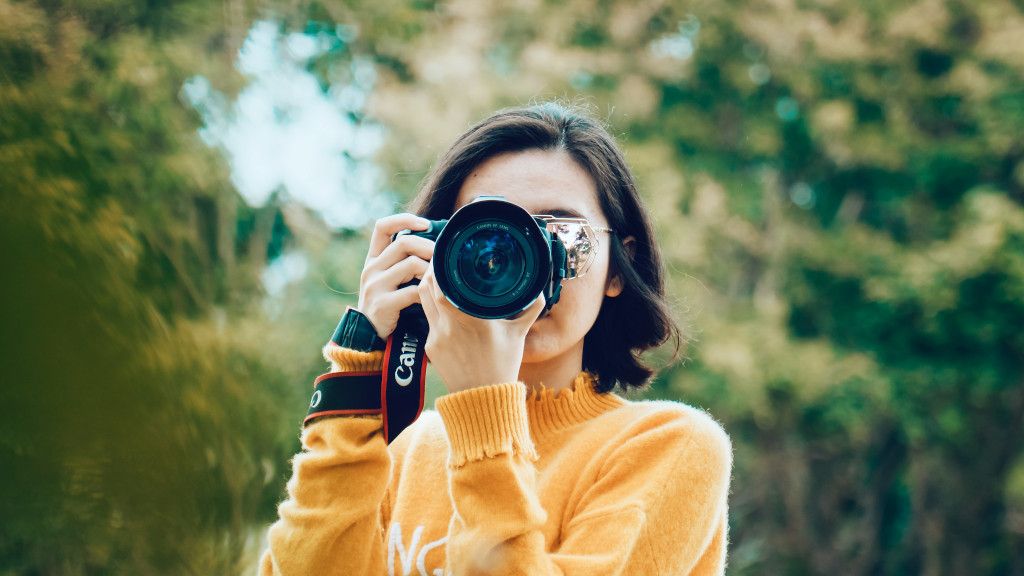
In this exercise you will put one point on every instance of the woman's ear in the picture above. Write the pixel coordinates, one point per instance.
(614, 286)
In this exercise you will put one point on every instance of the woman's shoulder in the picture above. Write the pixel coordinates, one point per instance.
(673, 422)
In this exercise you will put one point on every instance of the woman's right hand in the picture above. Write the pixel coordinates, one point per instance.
(389, 265)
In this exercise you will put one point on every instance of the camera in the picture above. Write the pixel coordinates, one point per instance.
(492, 258)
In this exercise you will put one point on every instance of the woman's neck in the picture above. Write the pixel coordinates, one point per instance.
(555, 373)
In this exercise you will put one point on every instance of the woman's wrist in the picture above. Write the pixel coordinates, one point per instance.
(486, 421)
(356, 331)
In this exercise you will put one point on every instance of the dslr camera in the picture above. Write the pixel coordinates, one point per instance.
(492, 258)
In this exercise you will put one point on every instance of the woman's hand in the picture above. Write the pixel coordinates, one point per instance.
(468, 351)
(390, 264)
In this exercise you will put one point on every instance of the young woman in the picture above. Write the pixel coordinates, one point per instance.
(531, 464)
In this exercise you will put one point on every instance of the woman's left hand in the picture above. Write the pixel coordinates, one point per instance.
(468, 351)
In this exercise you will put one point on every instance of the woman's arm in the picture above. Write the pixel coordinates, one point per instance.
(658, 506)
(334, 518)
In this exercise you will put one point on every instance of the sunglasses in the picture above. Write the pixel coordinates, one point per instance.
(580, 240)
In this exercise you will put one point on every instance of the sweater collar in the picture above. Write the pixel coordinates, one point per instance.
(550, 411)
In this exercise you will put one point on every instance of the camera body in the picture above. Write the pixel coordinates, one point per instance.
(492, 259)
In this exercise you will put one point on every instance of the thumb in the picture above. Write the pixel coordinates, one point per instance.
(533, 312)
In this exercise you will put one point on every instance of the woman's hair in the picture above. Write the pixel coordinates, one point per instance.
(637, 319)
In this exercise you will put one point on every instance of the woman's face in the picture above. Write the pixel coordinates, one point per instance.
(551, 182)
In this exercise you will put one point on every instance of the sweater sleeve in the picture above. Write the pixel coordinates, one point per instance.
(658, 506)
(334, 517)
(349, 360)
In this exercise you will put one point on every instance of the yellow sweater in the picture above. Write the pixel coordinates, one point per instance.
(499, 481)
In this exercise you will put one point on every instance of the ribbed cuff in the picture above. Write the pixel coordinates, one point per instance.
(349, 360)
(486, 421)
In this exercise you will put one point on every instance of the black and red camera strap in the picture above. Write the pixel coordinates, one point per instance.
(396, 392)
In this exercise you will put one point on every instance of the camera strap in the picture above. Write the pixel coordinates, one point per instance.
(396, 392)
(404, 382)
(344, 393)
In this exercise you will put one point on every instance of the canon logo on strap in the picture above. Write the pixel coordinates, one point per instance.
(404, 373)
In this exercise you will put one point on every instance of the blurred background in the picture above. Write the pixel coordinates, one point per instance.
(186, 190)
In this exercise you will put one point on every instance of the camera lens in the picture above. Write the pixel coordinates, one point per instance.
(492, 258)
(491, 262)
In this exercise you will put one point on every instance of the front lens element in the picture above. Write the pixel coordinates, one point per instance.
(491, 263)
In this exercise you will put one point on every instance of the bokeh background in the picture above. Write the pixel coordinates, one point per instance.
(186, 190)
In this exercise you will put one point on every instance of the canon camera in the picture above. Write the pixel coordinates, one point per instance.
(492, 258)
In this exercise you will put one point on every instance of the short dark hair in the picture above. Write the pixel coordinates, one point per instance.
(637, 319)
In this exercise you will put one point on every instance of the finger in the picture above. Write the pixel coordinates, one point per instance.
(384, 228)
(539, 304)
(532, 312)
(402, 247)
(402, 298)
(428, 276)
(430, 313)
(386, 309)
(440, 299)
(426, 299)
(405, 271)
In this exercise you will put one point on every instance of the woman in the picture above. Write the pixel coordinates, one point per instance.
(531, 464)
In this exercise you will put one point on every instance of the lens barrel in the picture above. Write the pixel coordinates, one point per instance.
(492, 258)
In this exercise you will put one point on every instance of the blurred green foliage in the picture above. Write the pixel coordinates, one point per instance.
(837, 187)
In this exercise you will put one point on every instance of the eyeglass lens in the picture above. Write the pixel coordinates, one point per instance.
(580, 244)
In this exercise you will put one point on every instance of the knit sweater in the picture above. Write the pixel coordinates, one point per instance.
(496, 480)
